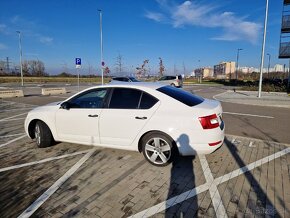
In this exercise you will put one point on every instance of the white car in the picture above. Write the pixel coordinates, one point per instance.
(160, 121)
(176, 81)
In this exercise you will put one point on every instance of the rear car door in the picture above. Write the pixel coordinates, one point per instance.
(127, 113)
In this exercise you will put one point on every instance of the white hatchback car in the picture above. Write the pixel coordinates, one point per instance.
(160, 121)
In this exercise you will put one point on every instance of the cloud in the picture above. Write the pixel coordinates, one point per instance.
(28, 28)
(2, 46)
(194, 13)
(158, 17)
(45, 39)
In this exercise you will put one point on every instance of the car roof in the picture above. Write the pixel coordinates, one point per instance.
(150, 85)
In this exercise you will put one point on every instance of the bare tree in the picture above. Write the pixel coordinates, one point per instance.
(33, 68)
(25, 68)
(36, 68)
(184, 69)
(107, 71)
(175, 71)
(2, 68)
(119, 64)
(161, 67)
(141, 71)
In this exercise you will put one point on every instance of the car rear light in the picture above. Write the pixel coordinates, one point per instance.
(214, 143)
(209, 122)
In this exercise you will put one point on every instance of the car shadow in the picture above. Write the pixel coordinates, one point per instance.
(182, 179)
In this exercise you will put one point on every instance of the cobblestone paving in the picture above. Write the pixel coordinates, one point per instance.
(117, 183)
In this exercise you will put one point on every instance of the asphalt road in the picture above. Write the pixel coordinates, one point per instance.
(265, 123)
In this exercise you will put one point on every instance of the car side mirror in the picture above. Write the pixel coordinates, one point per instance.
(65, 105)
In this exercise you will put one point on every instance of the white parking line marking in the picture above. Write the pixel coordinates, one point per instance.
(171, 202)
(17, 109)
(44, 160)
(8, 136)
(36, 204)
(12, 102)
(250, 115)
(18, 115)
(13, 140)
(251, 166)
(193, 192)
(213, 190)
(12, 119)
(55, 96)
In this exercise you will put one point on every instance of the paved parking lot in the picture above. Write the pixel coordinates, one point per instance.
(245, 177)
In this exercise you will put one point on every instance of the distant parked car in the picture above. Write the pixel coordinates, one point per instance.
(125, 79)
(158, 120)
(176, 81)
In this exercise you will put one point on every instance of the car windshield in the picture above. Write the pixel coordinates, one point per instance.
(181, 95)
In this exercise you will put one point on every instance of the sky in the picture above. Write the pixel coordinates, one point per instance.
(188, 34)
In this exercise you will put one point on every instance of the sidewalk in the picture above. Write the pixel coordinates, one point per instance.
(271, 99)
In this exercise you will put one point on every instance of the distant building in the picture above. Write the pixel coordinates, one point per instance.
(192, 74)
(278, 68)
(224, 69)
(204, 72)
(247, 70)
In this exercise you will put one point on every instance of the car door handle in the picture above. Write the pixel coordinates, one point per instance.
(141, 118)
(93, 115)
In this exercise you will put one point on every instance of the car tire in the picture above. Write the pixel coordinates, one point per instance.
(43, 135)
(158, 149)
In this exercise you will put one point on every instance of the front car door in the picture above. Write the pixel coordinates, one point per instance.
(80, 122)
(127, 113)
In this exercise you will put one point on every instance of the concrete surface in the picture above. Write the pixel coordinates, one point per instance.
(271, 99)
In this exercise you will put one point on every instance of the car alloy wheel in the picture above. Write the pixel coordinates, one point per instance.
(157, 151)
(37, 134)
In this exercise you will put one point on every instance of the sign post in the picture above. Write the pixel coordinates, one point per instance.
(78, 66)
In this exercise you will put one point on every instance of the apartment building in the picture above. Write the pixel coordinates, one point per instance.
(204, 72)
(224, 69)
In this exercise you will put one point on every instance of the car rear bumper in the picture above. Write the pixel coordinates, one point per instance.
(212, 140)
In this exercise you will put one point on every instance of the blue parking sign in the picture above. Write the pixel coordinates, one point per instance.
(78, 61)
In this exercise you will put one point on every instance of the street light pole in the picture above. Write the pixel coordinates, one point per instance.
(237, 68)
(20, 51)
(101, 32)
(269, 64)
(263, 50)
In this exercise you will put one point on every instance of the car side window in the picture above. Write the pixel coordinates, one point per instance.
(147, 101)
(90, 99)
(124, 98)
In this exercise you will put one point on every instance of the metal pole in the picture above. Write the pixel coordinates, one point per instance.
(263, 50)
(269, 65)
(238, 54)
(101, 32)
(78, 79)
(20, 51)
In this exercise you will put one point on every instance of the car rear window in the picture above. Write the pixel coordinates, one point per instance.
(181, 95)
